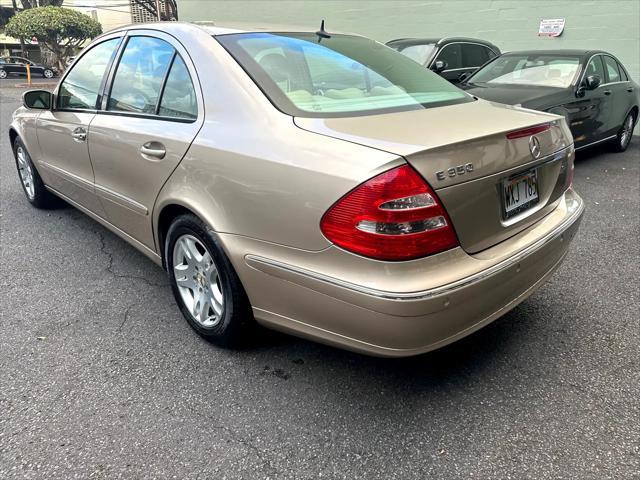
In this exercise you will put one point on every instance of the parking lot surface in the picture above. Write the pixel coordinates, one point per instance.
(100, 376)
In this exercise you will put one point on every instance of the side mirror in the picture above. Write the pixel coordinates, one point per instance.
(592, 82)
(439, 66)
(37, 99)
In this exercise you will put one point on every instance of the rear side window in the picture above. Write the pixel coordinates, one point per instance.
(140, 74)
(418, 53)
(475, 55)
(81, 87)
(179, 96)
(612, 69)
(452, 55)
(623, 74)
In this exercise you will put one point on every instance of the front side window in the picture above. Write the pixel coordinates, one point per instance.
(452, 55)
(337, 76)
(139, 75)
(595, 67)
(612, 69)
(536, 69)
(81, 87)
(179, 96)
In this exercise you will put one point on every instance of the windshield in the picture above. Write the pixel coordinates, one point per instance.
(417, 53)
(540, 70)
(337, 76)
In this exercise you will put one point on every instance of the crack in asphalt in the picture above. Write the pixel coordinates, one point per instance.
(126, 316)
(109, 268)
(235, 437)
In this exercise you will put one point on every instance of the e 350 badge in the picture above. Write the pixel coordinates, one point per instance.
(454, 171)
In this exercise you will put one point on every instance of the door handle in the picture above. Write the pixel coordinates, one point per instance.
(153, 149)
(79, 134)
(630, 89)
(607, 92)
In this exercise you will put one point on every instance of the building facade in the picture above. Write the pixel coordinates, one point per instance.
(109, 13)
(611, 25)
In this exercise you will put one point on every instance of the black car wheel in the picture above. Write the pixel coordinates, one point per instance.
(623, 138)
(3, 74)
(32, 184)
(48, 73)
(205, 284)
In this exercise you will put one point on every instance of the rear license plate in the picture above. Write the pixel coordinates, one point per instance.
(519, 193)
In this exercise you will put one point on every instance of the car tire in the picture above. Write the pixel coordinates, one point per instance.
(3, 74)
(32, 184)
(47, 73)
(623, 138)
(205, 284)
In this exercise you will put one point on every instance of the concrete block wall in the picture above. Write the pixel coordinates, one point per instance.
(610, 25)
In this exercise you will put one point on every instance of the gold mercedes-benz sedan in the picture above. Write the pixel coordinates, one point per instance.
(316, 183)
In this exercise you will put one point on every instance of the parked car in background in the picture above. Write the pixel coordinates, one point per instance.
(452, 58)
(18, 66)
(311, 181)
(591, 89)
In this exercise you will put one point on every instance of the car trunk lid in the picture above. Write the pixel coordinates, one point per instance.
(464, 153)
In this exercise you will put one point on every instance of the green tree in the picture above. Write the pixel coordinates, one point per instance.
(58, 30)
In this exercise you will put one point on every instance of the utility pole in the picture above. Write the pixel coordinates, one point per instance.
(158, 10)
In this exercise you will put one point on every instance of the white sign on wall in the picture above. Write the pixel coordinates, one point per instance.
(551, 27)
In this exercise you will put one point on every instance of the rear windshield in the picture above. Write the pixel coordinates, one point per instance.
(534, 69)
(339, 76)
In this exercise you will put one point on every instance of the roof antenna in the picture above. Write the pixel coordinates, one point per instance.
(322, 33)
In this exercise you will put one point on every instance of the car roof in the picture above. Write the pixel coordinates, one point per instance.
(438, 41)
(576, 52)
(212, 28)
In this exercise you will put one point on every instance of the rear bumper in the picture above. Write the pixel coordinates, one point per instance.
(380, 311)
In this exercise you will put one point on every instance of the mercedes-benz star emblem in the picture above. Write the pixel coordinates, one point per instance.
(534, 146)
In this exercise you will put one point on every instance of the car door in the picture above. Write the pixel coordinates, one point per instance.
(16, 66)
(151, 113)
(589, 110)
(35, 69)
(616, 89)
(62, 131)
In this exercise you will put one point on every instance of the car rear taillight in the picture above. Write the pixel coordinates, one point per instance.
(527, 132)
(394, 216)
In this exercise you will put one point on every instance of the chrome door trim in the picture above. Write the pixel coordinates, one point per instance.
(575, 209)
(596, 142)
(71, 177)
(121, 200)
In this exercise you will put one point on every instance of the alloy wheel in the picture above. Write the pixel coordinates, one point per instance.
(3, 74)
(627, 131)
(48, 74)
(198, 281)
(26, 174)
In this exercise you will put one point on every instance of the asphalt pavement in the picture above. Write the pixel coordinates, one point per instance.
(100, 376)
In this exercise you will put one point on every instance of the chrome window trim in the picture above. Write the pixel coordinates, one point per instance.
(575, 213)
(577, 85)
(105, 38)
(179, 50)
(442, 47)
